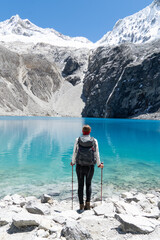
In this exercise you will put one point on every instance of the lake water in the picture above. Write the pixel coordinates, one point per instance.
(35, 155)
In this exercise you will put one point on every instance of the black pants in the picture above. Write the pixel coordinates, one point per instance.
(84, 172)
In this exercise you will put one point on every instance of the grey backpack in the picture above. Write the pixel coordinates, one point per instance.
(86, 149)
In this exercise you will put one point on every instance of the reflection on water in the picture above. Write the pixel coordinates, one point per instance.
(35, 154)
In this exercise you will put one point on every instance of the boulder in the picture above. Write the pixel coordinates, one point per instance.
(7, 198)
(5, 217)
(37, 208)
(127, 195)
(62, 217)
(74, 231)
(46, 198)
(25, 219)
(106, 209)
(42, 233)
(136, 224)
(47, 225)
(153, 213)
(59, 219)
(145, 205)
(126, 208)
(18, 200)
(3, 222)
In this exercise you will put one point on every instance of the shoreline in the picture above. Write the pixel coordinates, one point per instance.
(117, 217)
(147, 116)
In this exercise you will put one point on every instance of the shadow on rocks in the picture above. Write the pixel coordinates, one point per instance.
(120, 231)
(13, 229)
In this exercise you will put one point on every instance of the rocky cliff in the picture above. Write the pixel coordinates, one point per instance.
(27, 82)
(123, 81)
(41, 79)
(111, 81)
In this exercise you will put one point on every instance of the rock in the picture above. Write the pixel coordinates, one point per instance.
(37, 208)
(25, 220)
(74, 231)
(31, 198)
(59, 219)
(47, 225)
(131, 196)
(158, 205)
(46, 198)
(7, 198)
(154, 213)
(126, 208)
(127, 195)
(15, 209)
(62, 217)
(145, 205)
(3, 222)
(2, 205)
(70, 66)
(106, 209)
(137, 224)
(140, 197)
(74, 80)
(70, 214)
(18, 200)
(5, 217)
(42, 233)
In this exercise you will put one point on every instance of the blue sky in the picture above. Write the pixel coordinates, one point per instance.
(87, 18)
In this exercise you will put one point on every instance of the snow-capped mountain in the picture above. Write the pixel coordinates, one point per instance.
(43, 72)
(17, 29)
(143, 26)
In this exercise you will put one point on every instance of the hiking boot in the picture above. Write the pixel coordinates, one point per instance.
(87, 206)
(81, 206)
(81, 209)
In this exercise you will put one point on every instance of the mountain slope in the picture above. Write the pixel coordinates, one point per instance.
(141, 27)
(123, 81)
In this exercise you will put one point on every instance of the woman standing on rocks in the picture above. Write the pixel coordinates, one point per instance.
(85, 156)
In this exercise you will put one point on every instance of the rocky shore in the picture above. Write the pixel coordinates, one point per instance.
(131, 215)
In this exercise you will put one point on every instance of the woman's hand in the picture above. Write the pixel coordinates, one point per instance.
(101, 165)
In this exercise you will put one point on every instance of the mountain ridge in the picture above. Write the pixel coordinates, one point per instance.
(139, 27)
(17, 29)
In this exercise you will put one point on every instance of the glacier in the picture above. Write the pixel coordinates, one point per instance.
(141, 27)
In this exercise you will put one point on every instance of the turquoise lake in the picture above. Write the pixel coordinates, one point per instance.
(35, 155)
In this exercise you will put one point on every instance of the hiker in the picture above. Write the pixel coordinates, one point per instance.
(85, 156)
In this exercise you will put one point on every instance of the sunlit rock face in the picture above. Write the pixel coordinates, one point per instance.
(25, 80)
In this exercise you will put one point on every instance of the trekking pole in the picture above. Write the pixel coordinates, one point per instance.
(101, 181)
(72, 187)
